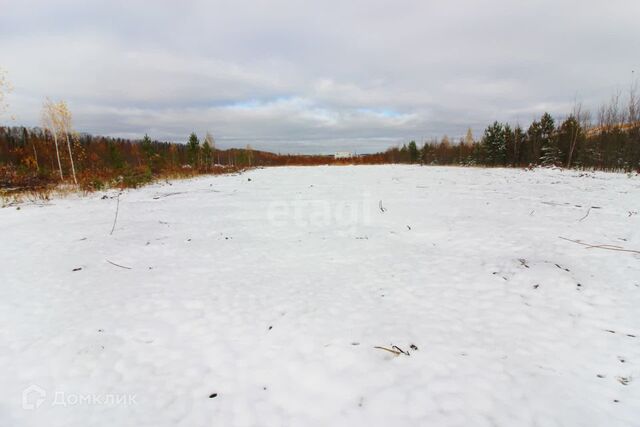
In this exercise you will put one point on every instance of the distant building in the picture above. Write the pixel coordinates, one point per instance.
(343, 155)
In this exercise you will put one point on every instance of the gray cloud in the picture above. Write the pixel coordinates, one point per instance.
(300, 77)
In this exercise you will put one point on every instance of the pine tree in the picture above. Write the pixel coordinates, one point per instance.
(518, 143)
(547, 126)
(509, 142)
(193, 148)
(550, 153)
(477, 155)
(413, 152)
(533, 141)
(146, 147)
(115, 158)
(494, 144)
(152, 158)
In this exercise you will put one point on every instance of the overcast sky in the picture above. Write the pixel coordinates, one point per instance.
(313, 76)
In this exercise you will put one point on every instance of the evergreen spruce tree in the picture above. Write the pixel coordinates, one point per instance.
(193, 149)
(549, 151)
(534, 136)
(404, 154)
(519, 139)
(509, 141)
(550, 154)
(413, 152)
(493, 142)
(547, 126)
(115, 158)
(147, 148)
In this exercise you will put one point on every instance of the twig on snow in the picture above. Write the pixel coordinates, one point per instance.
(394, 349)
(382, 208)
(396, 352)
(118, 265)
(608, 247)
(588, 211)
(586, 215)
(116, 217)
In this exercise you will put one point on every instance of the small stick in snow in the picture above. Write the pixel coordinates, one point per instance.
(396, 352)
(395, 347)
(118, 265)
(116, 217)
(382, 208)
(586, 215)
(608, 247)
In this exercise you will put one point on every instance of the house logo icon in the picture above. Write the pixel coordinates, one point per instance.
(33, 396)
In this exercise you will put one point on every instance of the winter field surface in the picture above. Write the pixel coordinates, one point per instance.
(316, 296)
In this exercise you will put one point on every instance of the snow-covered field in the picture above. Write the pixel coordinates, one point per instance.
(258, 300)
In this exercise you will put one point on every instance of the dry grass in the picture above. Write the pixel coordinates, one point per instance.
(43, 194)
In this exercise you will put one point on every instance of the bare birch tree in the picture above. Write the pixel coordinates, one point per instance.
(468, 139)
(209, 138)
(56, 117)
(50, 122)
(64, 117)
(581, 123)
(211, 150)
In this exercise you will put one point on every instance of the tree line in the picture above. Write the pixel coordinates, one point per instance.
(612, 143)
(39, 157)
(34, 157)
(55, 153)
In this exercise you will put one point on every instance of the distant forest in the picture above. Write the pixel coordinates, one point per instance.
(32, 158)
(612, 143)
(36, 157)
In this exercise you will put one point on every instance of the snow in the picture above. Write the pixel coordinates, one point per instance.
(270, 289)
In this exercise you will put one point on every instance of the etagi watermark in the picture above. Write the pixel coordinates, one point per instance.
(345, 215)
(34, 396)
